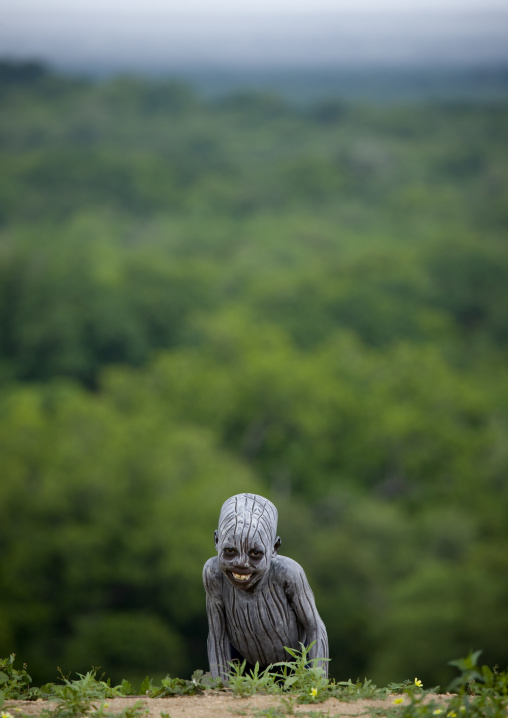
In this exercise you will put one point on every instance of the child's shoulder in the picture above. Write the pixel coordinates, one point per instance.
(212, 575)
(286, 568)
(284, 562)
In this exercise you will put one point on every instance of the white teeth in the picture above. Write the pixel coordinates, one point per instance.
(241, 577)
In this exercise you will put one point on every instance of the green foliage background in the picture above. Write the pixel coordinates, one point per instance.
(202, 297)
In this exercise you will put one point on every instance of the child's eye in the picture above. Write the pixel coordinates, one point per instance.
(229, 551)
(256, 554)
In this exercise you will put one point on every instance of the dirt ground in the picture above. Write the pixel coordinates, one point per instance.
(217, 705)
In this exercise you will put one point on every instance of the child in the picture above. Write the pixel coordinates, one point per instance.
(257, 602)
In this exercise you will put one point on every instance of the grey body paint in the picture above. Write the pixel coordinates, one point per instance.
(257, 602)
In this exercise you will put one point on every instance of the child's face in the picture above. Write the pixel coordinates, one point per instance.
(245, 559)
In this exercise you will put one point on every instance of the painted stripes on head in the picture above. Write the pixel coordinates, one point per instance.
(247, 516)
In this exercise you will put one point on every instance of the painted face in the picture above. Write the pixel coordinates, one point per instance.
(245, 540)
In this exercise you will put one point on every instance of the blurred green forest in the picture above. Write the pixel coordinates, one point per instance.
(205, 296)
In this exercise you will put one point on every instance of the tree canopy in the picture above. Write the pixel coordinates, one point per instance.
(203, 297)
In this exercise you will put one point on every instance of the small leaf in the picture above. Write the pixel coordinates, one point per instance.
(126, 688)
(466, 664)
(145, 686)
(289, 681)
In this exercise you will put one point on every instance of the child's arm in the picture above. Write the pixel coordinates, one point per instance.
(219, 647)
(300, 596)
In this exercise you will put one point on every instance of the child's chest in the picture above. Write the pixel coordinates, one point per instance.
(267, 611)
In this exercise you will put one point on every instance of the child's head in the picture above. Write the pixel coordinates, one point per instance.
(246, 539)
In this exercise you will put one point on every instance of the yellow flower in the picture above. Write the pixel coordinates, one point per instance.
(418, 683)
(5, 714)
(438, 711)
(398, 701)
(452, 714)
(313, 692)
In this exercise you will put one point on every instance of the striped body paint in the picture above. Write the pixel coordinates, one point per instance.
(257, 602)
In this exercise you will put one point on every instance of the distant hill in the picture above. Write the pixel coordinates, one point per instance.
(304, 85)
(368, 83)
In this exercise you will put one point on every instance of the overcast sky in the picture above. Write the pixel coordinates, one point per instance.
(161, 34)
(259, 7)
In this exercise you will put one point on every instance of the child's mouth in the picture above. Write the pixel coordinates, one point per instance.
(241, 576)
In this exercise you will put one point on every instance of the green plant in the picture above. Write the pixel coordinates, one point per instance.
(169, 686)
(480, 691)
(88, 686)
(349, 691)
(72, 708)
(15, 683)
(247, 684)
(304, 676)
(73, 698)
(270, 712)
(289, 703)
(133, 711)
(70, 703)
(206, 681)
(175, 687)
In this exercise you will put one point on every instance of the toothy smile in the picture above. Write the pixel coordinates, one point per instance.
(241, 577)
